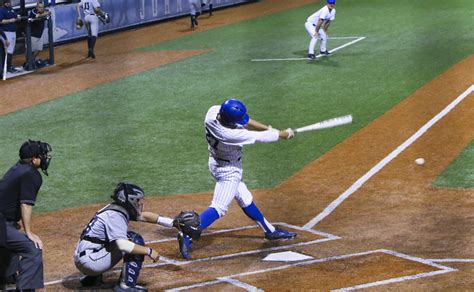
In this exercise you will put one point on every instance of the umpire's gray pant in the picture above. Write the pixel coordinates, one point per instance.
(29, 267)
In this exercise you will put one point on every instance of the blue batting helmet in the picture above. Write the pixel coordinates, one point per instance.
(234, 113)
(331, 1)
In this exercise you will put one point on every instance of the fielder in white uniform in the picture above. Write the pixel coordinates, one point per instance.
(208, 2)
(90, 8)
(228, 129)
(317, 26)
(106, 240)
(195, 11)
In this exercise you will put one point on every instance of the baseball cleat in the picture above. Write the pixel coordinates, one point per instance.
(279, 234)
(185, 244)
(90, 54)
(91, 281)
(325, 53)
(311, 56)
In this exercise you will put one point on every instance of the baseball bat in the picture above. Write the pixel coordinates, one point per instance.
(334, 122)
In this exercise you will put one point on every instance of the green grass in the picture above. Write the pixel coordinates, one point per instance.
(147, 128)
(460, 174)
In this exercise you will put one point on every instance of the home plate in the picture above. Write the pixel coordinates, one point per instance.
(286, 256)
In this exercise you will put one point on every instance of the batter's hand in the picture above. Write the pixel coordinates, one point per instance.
(7, 43)
(291, 133)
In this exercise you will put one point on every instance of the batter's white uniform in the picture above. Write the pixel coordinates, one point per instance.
(93, 258)
(90, 17)
(225, 160)
(325, 15)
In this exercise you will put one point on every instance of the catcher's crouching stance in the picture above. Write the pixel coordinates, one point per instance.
(106, 240)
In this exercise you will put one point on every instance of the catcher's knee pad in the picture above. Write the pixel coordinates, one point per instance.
(135, 238)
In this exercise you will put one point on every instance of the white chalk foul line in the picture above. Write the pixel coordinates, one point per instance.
(361, 181)
(317, 56)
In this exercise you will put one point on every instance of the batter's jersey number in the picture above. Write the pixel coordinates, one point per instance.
(213, 142)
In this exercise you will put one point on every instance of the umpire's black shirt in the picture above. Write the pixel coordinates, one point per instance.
(19, 185)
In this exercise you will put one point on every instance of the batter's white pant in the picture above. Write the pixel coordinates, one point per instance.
(92, 23)
(229, 186)
(311, 29)
(194, 6)
(95, 263)
(11, 36)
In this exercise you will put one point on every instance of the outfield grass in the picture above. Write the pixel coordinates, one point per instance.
(147, 128)
(460, 174)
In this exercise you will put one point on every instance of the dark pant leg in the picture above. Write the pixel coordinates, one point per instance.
(30, 265)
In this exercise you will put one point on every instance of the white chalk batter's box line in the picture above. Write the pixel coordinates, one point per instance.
(320, 233)
(230, 278)
(357, 39)
(166, 261)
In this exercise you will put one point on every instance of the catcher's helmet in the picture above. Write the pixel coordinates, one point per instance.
(233, 113)
(31, 148)
(129, 196)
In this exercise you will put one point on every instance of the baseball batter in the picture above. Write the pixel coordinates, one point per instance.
(92, 12)
(228, 128)
(317, 26)
(106, 240)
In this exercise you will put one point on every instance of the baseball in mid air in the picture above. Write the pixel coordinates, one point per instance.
(420, 161)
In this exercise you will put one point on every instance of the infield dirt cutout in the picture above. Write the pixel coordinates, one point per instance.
(396, 210)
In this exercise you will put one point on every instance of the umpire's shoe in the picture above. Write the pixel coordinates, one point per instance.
(279, 234)
(185, 244)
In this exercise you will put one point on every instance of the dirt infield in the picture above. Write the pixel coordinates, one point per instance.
(395, 228)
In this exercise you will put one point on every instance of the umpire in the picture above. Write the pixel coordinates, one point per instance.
(21, 255)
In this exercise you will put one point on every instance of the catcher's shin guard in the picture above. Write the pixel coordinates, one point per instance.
(132, 264)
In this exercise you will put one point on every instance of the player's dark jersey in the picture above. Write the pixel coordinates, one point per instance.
(37, 27)
(20, 184)
(8, 13)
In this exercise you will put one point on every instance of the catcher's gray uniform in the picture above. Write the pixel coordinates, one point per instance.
(93, 258)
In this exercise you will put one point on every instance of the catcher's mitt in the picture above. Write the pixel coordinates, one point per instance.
(79, 23)
(188, 222)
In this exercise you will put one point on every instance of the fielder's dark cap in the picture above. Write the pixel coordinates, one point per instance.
(331, 1)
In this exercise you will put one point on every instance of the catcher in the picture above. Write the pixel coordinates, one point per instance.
(106, 239)
(92, 14)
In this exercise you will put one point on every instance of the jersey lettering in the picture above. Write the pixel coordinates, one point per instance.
(213, 142)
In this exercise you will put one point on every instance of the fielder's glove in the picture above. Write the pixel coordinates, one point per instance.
(104, 17)
(79, 23)
(189, 223)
